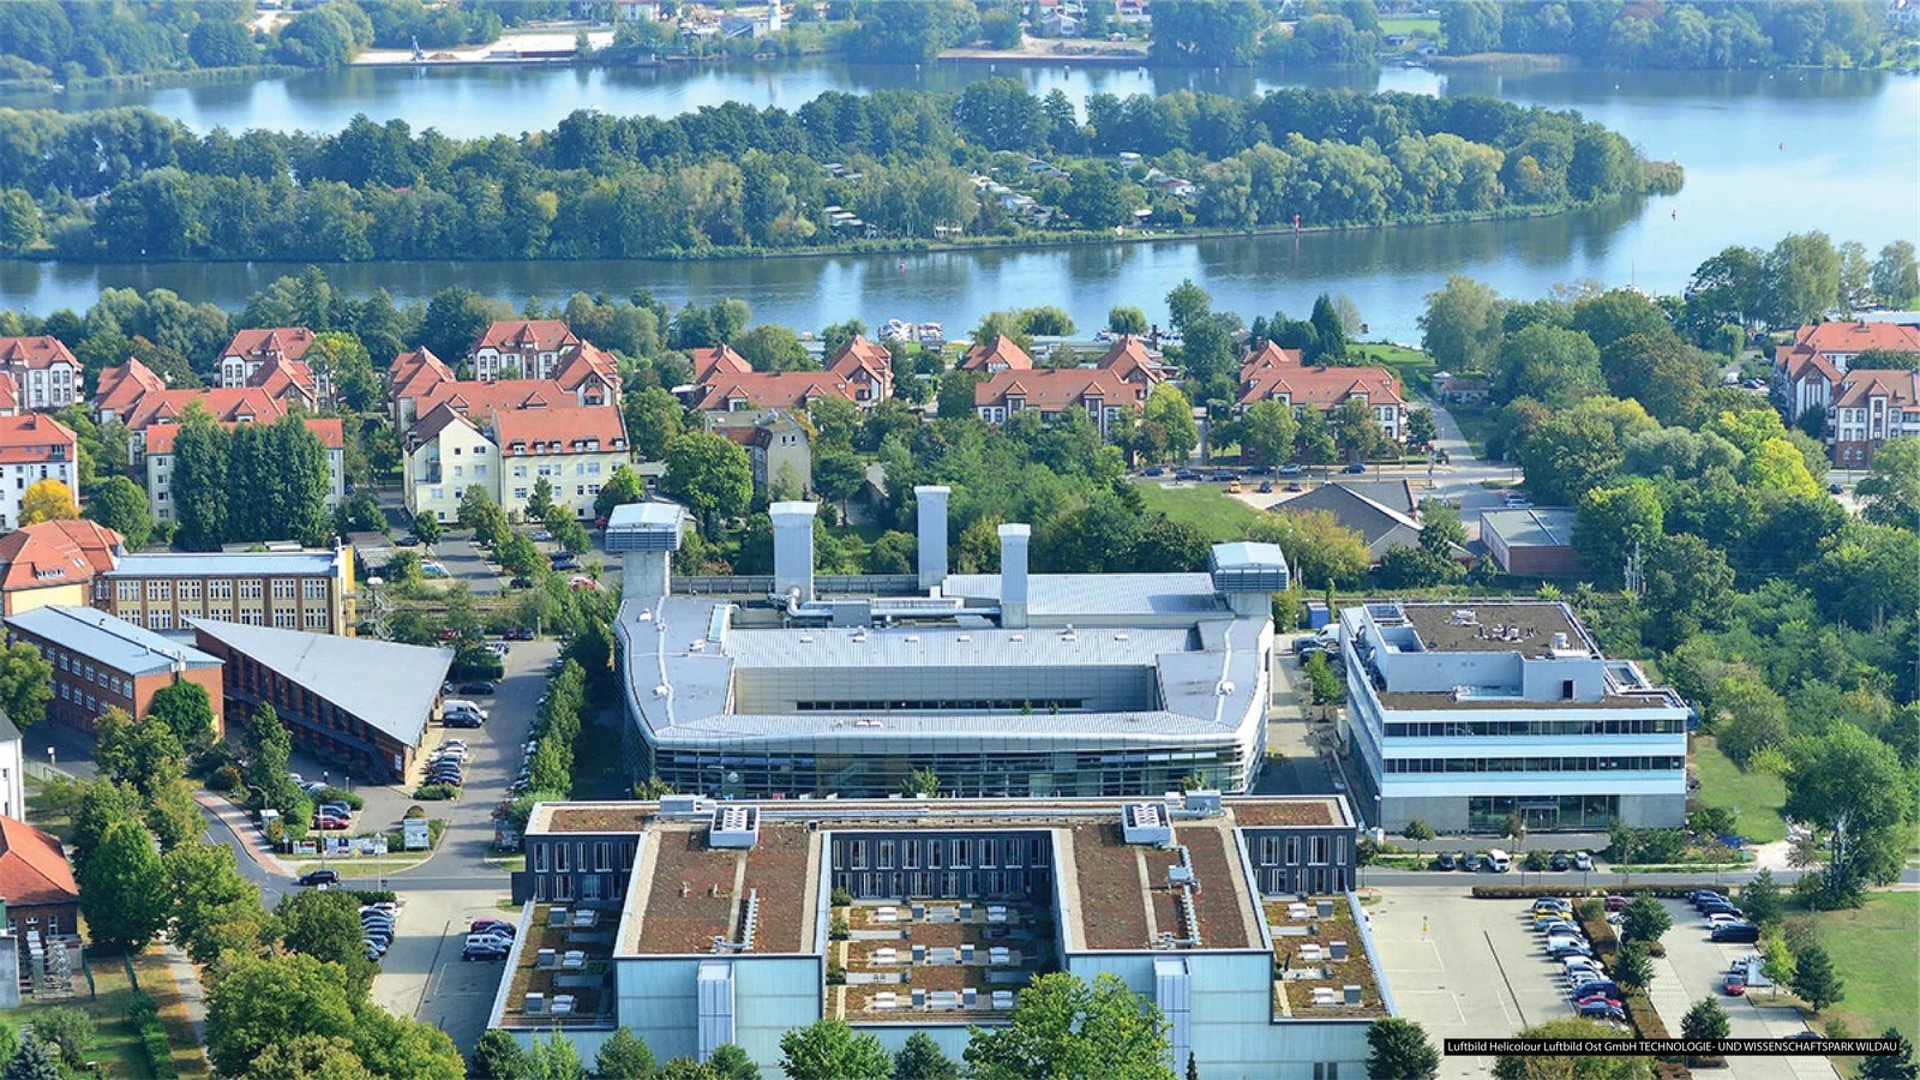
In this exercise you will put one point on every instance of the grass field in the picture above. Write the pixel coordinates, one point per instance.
(1757, 796)
(1414, 367)
(1411, 25)
(1873, 948)
(1207, 508)
(116, 1041)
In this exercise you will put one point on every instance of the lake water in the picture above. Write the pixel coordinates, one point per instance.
(1765, 153)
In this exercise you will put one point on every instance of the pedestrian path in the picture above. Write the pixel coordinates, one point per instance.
(245, 830)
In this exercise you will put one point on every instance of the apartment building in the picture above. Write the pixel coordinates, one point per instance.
(1462, 714)
(1101, 394)
(1271, 373)
(101, 662)
(33, 447)
(45, 373)
(273, 359)
(707, 923)
(157, 463)
(54, 563)
(507, 451)
(1863, 407)
(290, 590)
(522, 349)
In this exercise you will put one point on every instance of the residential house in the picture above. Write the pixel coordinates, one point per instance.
(273, 359)
(33, 447)
(793, 391)
(1272, 373)
(44, 370)
(54, 562)
(303, 590)
(1130, 359)
(411, 376)
(717, 362)
(507, 450)
(1005, 354)
(1870, 407)
(1381, 524)
(361, 706)
(636, 11)
(1863, 408)
(480, 399)
(1461, 389)
(522, 349)
(1101, 394)
(157, 459)
(120, 390)
(867, 366)
(226, 405)
(42, 898)
(100, 662)
(778, 449)
(1811, 365)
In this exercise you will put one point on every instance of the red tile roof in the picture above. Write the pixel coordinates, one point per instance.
(225, 403)
(1130, 360)
(35, 353)
(481, 400)
(285, 378)
(709, 364)
(1856, 388)
(121, 388)
(56, 553)
(263, 343)
(33, 868)
(860, 353)
(526, 335)
(1856, 337)
(9, 393)
(566, 430)
(30, 438)
(588, 362)
(1005, 354)
(160, 437)
(774, 389)
(1273, 372)
(1052, 391)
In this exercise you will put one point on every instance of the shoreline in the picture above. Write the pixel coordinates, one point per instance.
(911, 246)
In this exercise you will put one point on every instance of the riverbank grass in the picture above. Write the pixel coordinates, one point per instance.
(1756, 796)
(1209, 509)
(1872, 948)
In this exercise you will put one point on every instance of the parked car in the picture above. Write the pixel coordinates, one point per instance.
(1186, 474)
(319, 877)
(481, 926)
(482, 687)
(581, 581)
(1739, 933)
(433, 570)
(518, 633)
(1735, 984)
(337, 809)
(1598, 986)
(1266, 487)
(1463, 860)
(1154, 470)
(520, 583)
(463, 720)
(1601, 1010)
(485, 950)
(1582, 861)
(1289, 469)
(1561, 861)
(1234, 488)
(540, 535)
(1443, 861)
(408, 541)
(1616, 903)
(1356, 467)
(1569, 948)
(329, 824)
(1723, 918)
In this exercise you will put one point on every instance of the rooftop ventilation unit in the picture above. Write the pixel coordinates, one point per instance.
(1145, 823)
(1204, 803)
(1463, 617)
(734, 827)
(1559, 642)
(682, 806)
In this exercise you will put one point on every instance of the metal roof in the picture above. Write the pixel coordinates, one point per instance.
(951, 647)
(646, 515)
(390, 686)
(1063, 596)
(1536, 527)
(227, 564)
(106, 640)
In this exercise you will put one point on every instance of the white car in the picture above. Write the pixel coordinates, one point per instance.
(489, 941)
(1582, 861)
(1721, 918)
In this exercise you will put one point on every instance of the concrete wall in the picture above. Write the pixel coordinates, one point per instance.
(1106, 688)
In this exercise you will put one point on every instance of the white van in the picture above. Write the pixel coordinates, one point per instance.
(1499, 861)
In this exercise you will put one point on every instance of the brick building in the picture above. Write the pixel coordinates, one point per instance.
(100, 661)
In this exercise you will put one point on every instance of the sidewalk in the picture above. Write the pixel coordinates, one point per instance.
(245, 830)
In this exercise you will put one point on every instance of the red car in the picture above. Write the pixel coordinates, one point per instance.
(1616, 903)
(329, 824)
(482, 926)
(1736, 985)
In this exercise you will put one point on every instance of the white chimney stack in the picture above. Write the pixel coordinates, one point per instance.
(793, 547)
(930, 517)
(1013, 575)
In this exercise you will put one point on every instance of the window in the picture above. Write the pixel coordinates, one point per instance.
(316, 619)
(563, 887)
(159, 590)
(603, 857)
(590, 887)
(128, 590)
(540, 858)
(962, 854)
(886, 854)
(286, 620)
(1326, 1070)
(560, 861)
(189, 590)
(314, 589)
(250, 588)
(220, 590)
(285, 588)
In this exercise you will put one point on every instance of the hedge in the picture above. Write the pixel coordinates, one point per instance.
(373, 896)
(1639, 1009)
(1531, 892)
(153, 1037)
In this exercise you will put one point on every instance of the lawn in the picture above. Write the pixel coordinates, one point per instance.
(1756, 796)
(116, 1041)
(1414, 367)
(1430, 27)
(1872, 946)
(1207, 508)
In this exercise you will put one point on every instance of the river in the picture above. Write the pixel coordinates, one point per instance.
(1765, 152)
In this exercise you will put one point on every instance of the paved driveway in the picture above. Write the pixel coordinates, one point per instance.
(1692, 970)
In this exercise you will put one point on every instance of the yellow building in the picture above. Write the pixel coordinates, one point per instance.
(54, 563)
(288, 590)
(447, 454)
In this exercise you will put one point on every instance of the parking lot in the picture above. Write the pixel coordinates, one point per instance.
(1693, 969)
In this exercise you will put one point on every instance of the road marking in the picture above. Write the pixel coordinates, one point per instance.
(433, 968)
(1506, 981)
(1401, 947)
(1460, 1014)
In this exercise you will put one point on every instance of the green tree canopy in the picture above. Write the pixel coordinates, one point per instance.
(828, 1049)
(123, 888)
(1062, 1025)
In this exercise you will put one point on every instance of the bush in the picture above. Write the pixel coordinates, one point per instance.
(1418, 829)
(415, 812)
(1530, 892)
(334, 794)
(840, 931)
(842, 898)
(224, 778)
(373, 896)
(836, 974)
(436, 792)
(153, 1039)
(141, 1008)
(67, 1028)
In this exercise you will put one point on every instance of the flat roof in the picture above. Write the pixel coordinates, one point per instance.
(950, 646)
(112, 642)
(629, 816)
(646, 515)
(1522, 627)
(698, 893)
(1536, 527)
(1063, 595)
(391, 686)
(222, 563)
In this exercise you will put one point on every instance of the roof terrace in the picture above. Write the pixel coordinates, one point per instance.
(955, 959)
(1321, 963)
(731, 900)
(1189, 895)
(560, 972)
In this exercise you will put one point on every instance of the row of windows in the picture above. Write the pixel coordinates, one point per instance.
(69, 693)
(1671, 725)
(223, 589)
(1655, 763)
(99, 677)
(945, 705)
(1321, 850)
(938, 853)
(565, 856)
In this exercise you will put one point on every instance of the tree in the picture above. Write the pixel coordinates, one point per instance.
(123, 888)
(35, 1060)
(1127, 320)
(1420, 428)
(1461, 326)
(1852, 786)
(185, 709)
(427, 528)
(1633, 965)
(1803, 278)
(1267, 431)
(25, 684)
(769, 347)
(1895, 1066)
(654, 420)
(1688, 586)
(1593, 1067)
(1398, 1048)
(922, 783)
(498, 1056)
(922, 1059)
(828, 1049)
(1547, 362)
(554, 1058)
(1321, 550)
(710, 474)
(1760, 899)
(1355, 431)
(838, 475)
(1890, 491)
(1706, 1020)
(68, 1030)
(541, 501)
(1170, 410)
(1815, 979)
(212, 908)
(391, 1045)
(1750, 716)
(120, 505)
(1062, 1025)
(1777, 963)
(624, 1056)
(1187, 305)
(47, 500)
(1331, 335)
(311, 1057)
(321, 924)
(1324, 684)
(268, 745)
(1895, 275)
(1646, 919)
(1615, 522)
(730, 1062)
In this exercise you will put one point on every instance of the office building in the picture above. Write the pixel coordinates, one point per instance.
(291, 590)
(1004, 684)
(703, 923)
(1463, 714)
(100, 662)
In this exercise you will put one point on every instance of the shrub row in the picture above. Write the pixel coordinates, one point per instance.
(153, 1038)
(374, 896)
(436, 792)
(1531, 892)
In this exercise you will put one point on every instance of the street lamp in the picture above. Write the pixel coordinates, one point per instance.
(51, 758)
